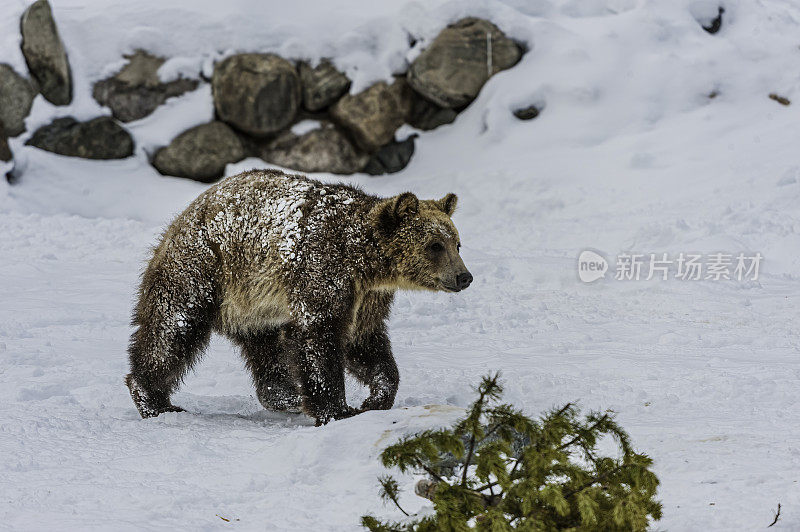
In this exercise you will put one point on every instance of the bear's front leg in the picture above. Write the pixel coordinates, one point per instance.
(317, 364)
(369, 359)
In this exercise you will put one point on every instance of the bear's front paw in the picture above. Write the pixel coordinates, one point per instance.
(377, 402)
(342, 413)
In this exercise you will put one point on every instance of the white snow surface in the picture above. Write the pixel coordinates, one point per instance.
(629, 154)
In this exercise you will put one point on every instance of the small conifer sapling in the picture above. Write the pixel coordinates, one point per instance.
(498, 469)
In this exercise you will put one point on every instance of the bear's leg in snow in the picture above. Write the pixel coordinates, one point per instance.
(316, 362)
(369, 359)
(173, 329)
(266, 359)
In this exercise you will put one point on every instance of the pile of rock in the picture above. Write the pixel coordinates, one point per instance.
(261, 101)
(46, 58)
(260, 96)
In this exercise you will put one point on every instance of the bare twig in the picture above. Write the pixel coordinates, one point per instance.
(783, 100)
(397, 503)
(427, 489)
(777, 516)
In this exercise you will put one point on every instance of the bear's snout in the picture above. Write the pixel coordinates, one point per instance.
(463, 280)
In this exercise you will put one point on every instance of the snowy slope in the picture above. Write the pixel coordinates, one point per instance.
(629, 155)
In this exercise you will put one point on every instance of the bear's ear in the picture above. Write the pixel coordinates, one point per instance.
(448, 204)
(405, 205)
(394, 210)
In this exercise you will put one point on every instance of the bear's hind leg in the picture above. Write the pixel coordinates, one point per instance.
(266, 359)
(172, 332)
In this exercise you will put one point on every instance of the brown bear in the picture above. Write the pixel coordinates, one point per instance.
(301, 275)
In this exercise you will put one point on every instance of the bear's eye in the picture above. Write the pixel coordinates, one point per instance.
(437, 247)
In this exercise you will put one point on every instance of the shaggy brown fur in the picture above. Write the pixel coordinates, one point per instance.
(298, 273)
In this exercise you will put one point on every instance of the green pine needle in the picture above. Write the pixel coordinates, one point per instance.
(499, 470)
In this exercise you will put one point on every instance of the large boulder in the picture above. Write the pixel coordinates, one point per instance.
(372, 116)
(136, 90)
(426, 115)
(100, 138)
(322, 85)
(452, 70)
(391, 158)
(5, 151)
(16, 99)
(256, 93)
(325, 149)
(44, 52)
(200, 153)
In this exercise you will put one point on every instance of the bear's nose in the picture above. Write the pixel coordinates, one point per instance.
(463, 280)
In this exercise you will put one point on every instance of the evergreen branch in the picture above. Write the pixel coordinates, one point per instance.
(563, 409)
(488, 386)
(531, 477)
(490, 432)
(467, 461)
(397, 503)
(777, 516)
(429, 471)
(493, 483)
(596, 479)
(390, 491)
(579, 436)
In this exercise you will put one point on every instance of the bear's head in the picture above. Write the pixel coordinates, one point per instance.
(422, 243)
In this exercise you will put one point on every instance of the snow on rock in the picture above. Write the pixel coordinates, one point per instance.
(629, 153)
(305, 126)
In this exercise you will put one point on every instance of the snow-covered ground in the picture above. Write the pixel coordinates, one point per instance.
(629, 155)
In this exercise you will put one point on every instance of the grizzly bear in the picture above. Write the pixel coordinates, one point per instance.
(301, 275)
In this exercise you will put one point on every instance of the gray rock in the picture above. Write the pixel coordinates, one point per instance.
(200, 153)
(256, 93)
(100, 138)
(326, 149)
(426, 115)
(44, 52)
(372, 116)
(391, 158)
(452, 70)
(322, 85)
(135, 91)
(16, 99)
(5, 151)
(527, 113)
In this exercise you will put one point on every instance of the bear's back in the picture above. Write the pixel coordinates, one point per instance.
(273, 231)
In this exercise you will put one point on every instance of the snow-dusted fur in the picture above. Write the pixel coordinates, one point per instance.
(298, 273)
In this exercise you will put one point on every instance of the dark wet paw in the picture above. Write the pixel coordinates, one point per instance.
(291, 404)
(342, 413)
(377, 403)
(145, 404)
